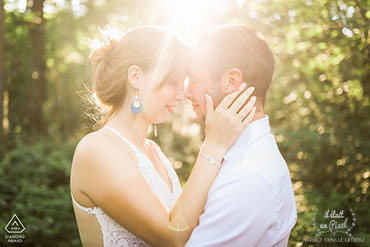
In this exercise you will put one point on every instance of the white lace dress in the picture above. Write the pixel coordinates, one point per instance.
(115, 235)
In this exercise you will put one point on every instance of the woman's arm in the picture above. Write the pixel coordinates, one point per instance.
(113, 181)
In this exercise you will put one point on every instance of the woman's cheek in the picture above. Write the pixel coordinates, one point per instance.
(170, 96)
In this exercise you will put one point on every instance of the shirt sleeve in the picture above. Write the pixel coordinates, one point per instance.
(238, 211)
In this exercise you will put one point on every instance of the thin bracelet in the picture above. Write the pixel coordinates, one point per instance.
(211, 160)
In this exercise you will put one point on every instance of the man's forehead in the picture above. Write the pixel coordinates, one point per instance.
(195, 69)
(200, 54)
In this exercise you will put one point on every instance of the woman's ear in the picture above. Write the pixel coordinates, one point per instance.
(134, 76)
(233, 78)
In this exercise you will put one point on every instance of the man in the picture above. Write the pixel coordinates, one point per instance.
(251, 202)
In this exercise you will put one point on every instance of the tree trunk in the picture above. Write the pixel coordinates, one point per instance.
(2, 72)
(38, 53)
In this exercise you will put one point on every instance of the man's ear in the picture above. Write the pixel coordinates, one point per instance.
(233, 78)
(134, 75)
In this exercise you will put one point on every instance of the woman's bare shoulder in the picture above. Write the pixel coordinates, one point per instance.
(101, 145)
(100, 155)
(91, 141)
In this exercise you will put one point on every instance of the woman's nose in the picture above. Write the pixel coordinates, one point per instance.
(188, 93)
(187, 85)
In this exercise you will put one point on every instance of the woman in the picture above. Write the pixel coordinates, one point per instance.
(124, 189)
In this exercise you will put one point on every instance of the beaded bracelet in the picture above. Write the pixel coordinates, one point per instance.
(212, 160)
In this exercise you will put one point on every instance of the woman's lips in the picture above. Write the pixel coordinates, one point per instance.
(170, 108)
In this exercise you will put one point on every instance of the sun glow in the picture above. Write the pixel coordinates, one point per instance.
(190, 17)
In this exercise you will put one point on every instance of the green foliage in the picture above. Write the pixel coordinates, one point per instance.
(35, 186)
(319, 104)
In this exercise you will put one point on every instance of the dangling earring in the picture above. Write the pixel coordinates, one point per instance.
(137, 108)
(155, 130)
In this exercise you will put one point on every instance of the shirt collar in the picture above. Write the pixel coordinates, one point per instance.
(255, 130)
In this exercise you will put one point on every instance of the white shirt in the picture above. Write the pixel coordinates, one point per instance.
(251, 202)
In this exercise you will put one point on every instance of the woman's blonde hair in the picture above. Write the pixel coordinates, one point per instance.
(148, 47)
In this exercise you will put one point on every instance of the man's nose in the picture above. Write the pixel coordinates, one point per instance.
(180, 97)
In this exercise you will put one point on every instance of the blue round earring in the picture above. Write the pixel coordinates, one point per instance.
(136, 106)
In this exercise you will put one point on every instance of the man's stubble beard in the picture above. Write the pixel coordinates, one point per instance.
(217, 97)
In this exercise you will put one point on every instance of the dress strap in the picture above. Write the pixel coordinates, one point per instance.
(87, 210)
(122, 137)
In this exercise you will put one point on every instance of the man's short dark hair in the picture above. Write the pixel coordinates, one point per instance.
(242, 47)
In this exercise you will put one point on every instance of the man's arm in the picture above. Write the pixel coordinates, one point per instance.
(238, 212)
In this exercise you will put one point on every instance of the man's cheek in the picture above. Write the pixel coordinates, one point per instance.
(202, 106)
(200, 115)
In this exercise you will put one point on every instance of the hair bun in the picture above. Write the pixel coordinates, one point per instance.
(101, 51)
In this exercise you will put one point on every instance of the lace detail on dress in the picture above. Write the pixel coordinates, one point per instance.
(115, 235)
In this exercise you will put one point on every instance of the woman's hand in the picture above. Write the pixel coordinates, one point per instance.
(231, 117)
